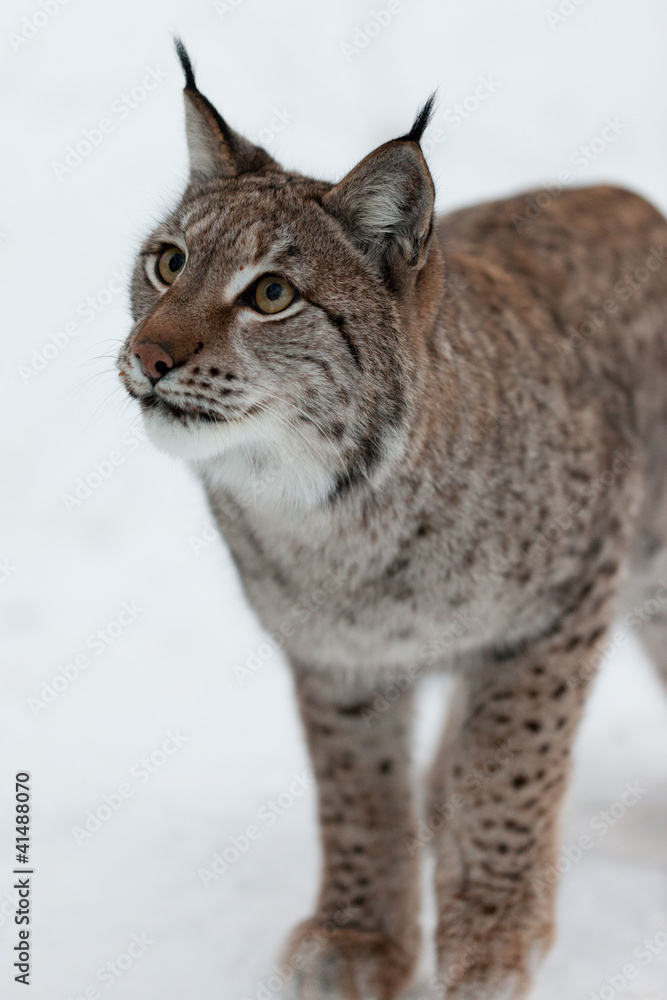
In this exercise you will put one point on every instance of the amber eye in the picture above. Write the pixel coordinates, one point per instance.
(169, 264)
(273, 294)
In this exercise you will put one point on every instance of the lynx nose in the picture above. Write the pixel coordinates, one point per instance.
(155, 360)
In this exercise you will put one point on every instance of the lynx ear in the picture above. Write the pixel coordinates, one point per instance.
(386, 201)
(214, 149)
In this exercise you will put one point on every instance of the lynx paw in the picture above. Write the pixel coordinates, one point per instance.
(492, 970)
(508, 986)
(340, 964)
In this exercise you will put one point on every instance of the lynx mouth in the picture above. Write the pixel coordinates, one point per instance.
(184, 415)
(195, 433)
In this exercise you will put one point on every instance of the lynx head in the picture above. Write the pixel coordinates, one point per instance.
(273, 313)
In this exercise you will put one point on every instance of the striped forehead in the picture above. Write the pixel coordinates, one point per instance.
(245, 229)
(220, 223)
(213, 212)
(250, 248)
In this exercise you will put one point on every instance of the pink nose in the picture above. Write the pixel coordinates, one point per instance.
(155, 360)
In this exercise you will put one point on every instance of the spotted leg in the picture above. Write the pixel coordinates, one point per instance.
(501, 779)
(362, 942)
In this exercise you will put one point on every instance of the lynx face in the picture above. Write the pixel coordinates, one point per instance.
(267, 311)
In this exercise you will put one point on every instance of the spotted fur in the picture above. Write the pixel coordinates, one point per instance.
(462, 423)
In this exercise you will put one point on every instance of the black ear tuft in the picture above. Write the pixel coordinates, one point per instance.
(191, 85)
(421, 122)
(214, 149)
(186, 65)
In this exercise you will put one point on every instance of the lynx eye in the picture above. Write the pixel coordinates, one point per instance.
(273, 294)
(169, 264)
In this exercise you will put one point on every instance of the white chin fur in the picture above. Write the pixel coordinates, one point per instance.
(198, 441)
(250, 457)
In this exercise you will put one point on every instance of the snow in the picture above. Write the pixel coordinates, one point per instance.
(168, 665)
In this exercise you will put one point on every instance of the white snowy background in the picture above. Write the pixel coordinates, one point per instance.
(142, 537)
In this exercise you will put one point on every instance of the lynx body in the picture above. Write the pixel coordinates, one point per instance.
(447, 439)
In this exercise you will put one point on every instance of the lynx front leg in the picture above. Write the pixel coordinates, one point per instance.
(504, 779)
(363, 940)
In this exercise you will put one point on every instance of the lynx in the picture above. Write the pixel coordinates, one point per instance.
(447, 438)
